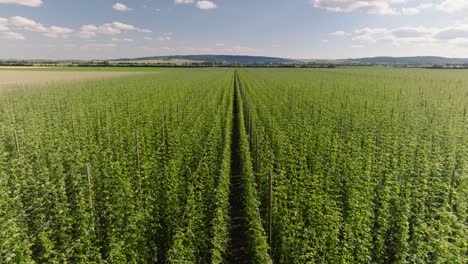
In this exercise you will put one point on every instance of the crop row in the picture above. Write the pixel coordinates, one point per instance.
(338, 166)
(129, 170)
(368, 166)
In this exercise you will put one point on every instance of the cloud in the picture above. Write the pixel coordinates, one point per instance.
(12, 35)
(219, 44)
(3, 24)
(378, 7)
(240, 50)
(184, 1)
(119, 7)
(55, 32)
(168, 49)
(32, 3)
(122, 40)
(411, 11)
(357, 46)
(339, 33)
(26, 24)
(198, 50)
(206, 5)
(454, 6)
(148, 38)
(452, 33)
(114, 28)
(456, 34)
(98, 46)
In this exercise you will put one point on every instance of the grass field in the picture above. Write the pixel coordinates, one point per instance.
(346, 165)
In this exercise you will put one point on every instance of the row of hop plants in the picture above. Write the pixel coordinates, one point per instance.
(203, 235)
(368, 165)
(257, 239)
(102, 171)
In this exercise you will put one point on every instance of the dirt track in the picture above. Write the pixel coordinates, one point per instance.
(12, 78)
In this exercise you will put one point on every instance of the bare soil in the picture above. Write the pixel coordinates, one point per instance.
(238, 251)
(20, 78)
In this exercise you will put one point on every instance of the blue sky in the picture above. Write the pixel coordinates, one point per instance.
(100, 29)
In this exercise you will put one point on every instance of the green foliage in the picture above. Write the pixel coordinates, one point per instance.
(367, 163)
(368, 166)
(116, 171)
(258, 246)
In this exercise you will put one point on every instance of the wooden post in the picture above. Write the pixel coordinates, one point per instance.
(137, 142)
(128, 107)
(452, 183)
(17, 143)
(377, 143)
(163, 128)
(270, 201)
(88, 174)
(256, 153)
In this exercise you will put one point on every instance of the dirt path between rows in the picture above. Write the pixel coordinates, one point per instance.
(238, 251)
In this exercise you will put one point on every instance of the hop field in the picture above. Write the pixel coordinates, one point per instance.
(249, 166)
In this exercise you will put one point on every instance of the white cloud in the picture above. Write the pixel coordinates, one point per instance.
(339, 33)
(168, 49)
(55, 32)
(164, 38)
(379, 7)
(3, 24)
(32, 3)
(459, 42)
(411, 11)
(148, 38)
(240, 50)
(184, 1)
(114, 28)
(206, 5)
(414, 35)
(12, 35)
(198, 50)
(97, 46)
(122, 40)
(219, 44)
(121, 7)
(357, 46)
(26, 24)
(454, 6)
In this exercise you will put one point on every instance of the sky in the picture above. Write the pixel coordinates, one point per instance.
(306, 29)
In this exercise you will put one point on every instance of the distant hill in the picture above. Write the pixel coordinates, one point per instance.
(218, 59)
(420, 60)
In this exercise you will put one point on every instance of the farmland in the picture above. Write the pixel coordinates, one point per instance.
(216, 165)
(10, 77)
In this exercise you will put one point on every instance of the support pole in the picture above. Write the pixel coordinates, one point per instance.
(17, 143)
(270, 213)
(88, 175)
